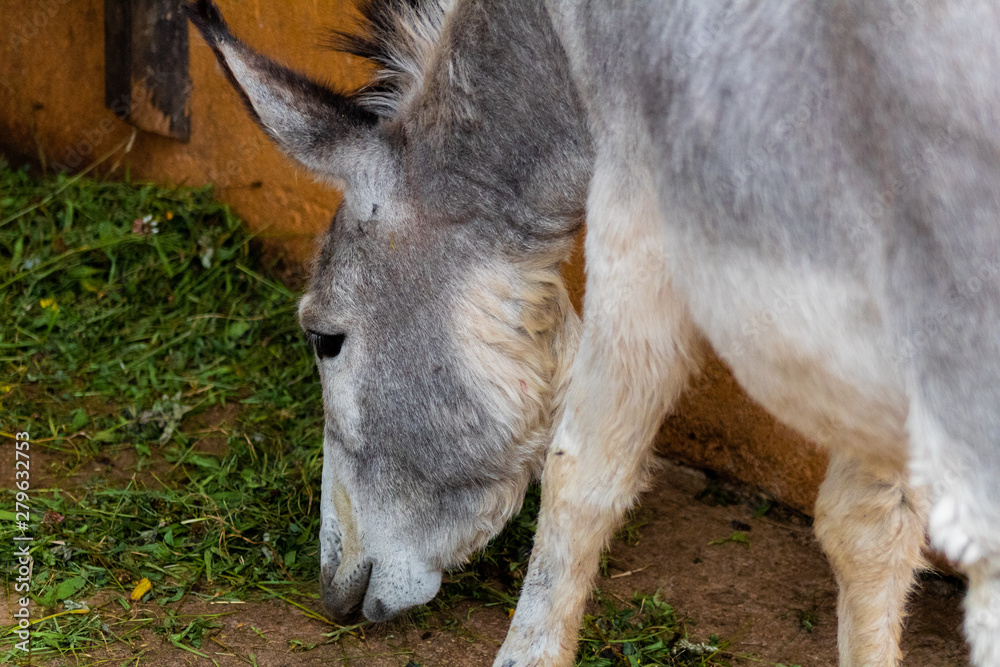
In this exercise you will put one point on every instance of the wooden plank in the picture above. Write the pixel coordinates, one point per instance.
(146, 79)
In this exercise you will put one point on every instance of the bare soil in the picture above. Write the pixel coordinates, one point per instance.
(773, 598)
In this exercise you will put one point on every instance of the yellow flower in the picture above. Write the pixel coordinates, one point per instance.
(141, 589)
(49, 304)
(6, 388)
(170, 215)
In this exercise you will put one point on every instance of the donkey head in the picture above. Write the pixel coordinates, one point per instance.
(436, 309)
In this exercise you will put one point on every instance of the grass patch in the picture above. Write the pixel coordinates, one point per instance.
(643, 632)
(141, 331)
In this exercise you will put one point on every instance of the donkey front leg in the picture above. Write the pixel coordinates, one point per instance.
(871, 525)
(633, 361)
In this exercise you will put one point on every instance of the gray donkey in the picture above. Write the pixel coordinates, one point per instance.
(813, 187)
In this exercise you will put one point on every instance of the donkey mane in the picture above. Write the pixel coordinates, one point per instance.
(399, 37)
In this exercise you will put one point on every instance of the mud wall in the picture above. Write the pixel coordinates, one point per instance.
(52, 111)
(52, 108)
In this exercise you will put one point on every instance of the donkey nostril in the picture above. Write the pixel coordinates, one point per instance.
(336, 615)
(342, 596)
(377, 611)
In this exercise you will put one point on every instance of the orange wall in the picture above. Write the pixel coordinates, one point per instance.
(52, 108)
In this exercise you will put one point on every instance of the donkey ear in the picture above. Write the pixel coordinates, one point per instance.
(324, 130)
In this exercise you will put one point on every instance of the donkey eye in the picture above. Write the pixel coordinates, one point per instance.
(325, 345)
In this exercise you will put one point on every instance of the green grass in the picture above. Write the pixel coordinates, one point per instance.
(173, 362)
(645, 631)
(118, 342)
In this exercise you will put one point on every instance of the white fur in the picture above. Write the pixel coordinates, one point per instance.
(835, 384)
(811, 348)
(982, 613)
(634, 359)
(810, 344)
(870, 523)
(516, 330)
(966, 538)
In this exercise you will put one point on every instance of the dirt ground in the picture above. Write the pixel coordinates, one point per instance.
(774, 598)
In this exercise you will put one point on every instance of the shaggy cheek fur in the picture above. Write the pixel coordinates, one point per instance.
(517, 332)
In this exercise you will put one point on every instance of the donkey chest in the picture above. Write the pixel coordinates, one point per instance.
(810, 347)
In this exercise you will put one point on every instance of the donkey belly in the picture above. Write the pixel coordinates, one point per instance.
(770, 236)
(811, 348)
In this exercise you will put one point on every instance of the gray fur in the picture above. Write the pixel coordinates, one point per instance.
(845, 151)
(488, 164)
(426, 453)
(861, 138)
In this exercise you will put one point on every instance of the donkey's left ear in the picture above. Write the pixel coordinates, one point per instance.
(324, 130)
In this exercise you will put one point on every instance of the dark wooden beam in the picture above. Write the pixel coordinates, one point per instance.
(146, 80)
